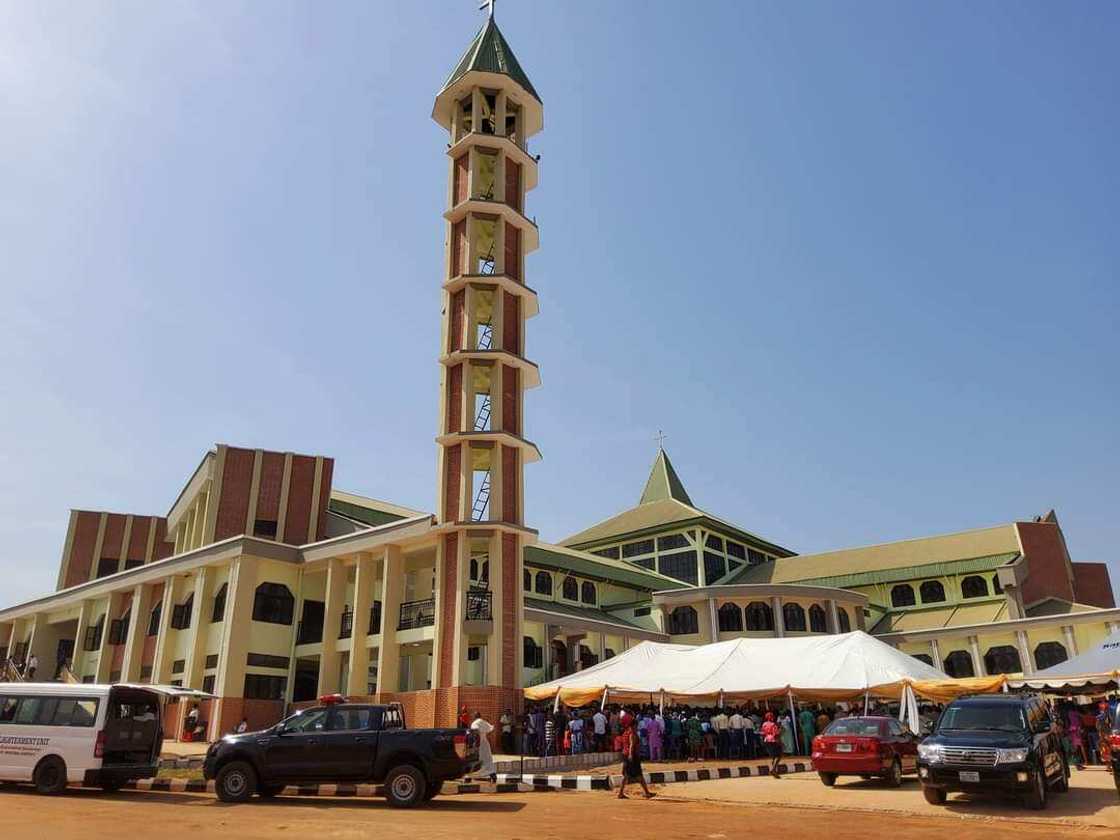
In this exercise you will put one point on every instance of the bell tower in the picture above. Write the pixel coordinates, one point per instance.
(489, 109)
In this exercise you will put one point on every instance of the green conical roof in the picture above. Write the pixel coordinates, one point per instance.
(490, 53)
(663, 482)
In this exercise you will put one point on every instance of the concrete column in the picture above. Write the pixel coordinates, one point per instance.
(713, 616)
(492, 672)
(1070, 639)
(392, 594)
(977, 659)
(1024, 652)
(337, 574)
(137, 631)
(105, 659)
(357, 680)
(77, 665)
(833, 616)
(196, 646)
(779, 619)
(96, 559)
(935, 654)
(235, 644)
(161, 662)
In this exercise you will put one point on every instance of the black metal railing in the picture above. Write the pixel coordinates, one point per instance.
(417, 614)
(480, 605)
(346, 624)
(375, 618)
(309, 634)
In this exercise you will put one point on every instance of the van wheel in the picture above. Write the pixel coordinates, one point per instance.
(827, 779)
(235, 782)
(1036, 799)
(894, 775)
(405, 786)
(934, 796)
(111, 787)
(50, 776)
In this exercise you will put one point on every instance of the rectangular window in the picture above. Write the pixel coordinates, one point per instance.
(181, 614)
(145, 672)
(219, 612)
(714, 542)
(265, 529)
(755, 557)
(211, 661)
(153, 620)
(641, 611)
(132, 564)
(611, 552)
(264, 687)
(473, 654)
(264, 660)
(635, 549)
(645, 563)
(178, 666)
(93, 635)
(713, 567)
(107, 566)
(118, 630)
(672, 541)
(681, 566)
(208, 684)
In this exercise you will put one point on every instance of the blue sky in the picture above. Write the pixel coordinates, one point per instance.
(858, 260)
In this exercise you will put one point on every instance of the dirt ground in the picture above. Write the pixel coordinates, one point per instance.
(88, 815)
(1091, 801)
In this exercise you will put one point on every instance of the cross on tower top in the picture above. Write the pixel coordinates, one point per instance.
(661, 439)
(488, 4)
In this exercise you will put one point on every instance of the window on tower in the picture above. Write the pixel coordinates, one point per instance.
(484, 232)
(466, 115)
(488, 124)
(480, 482)
(487, 174)
(513, 122)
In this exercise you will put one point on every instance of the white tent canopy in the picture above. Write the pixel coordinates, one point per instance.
(833, 667)
(1097, 667)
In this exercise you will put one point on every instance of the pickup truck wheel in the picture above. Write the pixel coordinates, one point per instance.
(269, 791)
(50, 776)
(827, 779)
(405, 786)
(934, 796)
(235, 782)
(432, 790)
(894, 775)
(1036, 798)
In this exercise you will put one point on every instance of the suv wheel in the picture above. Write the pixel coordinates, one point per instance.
(405, 786)
(1062, 783)
(934, 796)
(894, 775)
(50, 776)
(1036, 798)
(235, 782)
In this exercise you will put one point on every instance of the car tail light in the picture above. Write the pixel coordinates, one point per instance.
(99, 745)
(818, 744)
(867, 745)
(461, 746)
(1114, 741)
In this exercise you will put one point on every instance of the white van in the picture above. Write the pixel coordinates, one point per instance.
(102, 736)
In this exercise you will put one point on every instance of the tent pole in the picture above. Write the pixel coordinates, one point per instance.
(865, 699)
(793, 719)
(662, 702)
(603, 702)
(556, 704)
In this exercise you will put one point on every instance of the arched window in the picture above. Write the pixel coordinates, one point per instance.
(759, 616)
(570, 589)
(532, 653)
(608, 654)
(526, 580)
(273, 604)
(932, 592)
(997, 587)
(1048, 654)
(959, 664)
(587, 592)
(923, 657)
(793, 615)
(730, 618)
(1002, 659)
(544, 583)
(586, 657)
(683, 622)
(219, 611)
(903, 596)
(974, 586)
(845, 622)
(817, 621)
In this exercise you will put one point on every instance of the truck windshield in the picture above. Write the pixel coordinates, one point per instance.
(976, 717)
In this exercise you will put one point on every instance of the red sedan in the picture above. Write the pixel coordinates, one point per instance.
(865, 746)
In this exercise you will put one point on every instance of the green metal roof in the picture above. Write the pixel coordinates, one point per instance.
(663, 482)
(490, 53)
(589, 613)
(763, 573)
(368, 515)
(598, 568)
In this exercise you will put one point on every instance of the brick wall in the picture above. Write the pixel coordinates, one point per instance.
(513, 184)
(513, 251)
(452, 479)
(233, 500)
(511, 324)
(326, 475)
(511, 589)
(1049, 569)
(111, 543)
(1092, 585)
(81, 548)
(511, 401)
(162, 548)
(511, 475)
(461, 181)
(458, 248)
(455, 398)
(271, 484)
(449, 586)
(300, 489)
(260, 713)
(455, 330)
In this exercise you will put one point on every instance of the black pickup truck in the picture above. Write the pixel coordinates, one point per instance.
(994, 744)
(340, 742)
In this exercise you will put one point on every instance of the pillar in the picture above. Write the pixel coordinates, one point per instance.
(833, 616)
(365, 574)
(161, 662)
(105, 657)
(1070, 639)
(1024, 652)
(137, 632)
(230, 682)
(196, 644)
(977, 660)
(392, 594)
(779, 619)
(337, 574)
(713, 618)
(935, 654)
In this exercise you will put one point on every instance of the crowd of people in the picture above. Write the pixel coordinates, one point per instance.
(1085, 730)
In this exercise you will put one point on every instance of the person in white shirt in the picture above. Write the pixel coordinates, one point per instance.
(599, 722)
(735, 724)
(723, 741)
(482, 728)
(750, 736)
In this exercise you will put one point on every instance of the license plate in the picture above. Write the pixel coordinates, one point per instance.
(843, 748)
(969, 775)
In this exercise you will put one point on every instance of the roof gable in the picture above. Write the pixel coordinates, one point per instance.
(489, 52)
(663, 482)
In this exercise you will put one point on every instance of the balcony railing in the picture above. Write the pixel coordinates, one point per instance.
(346, 624)
(479, 605)
(417, 614)
(375, 618)
(309, 634)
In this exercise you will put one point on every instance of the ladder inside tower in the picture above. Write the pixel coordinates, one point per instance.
(485, 336)
(482, 419)
(486, 261)
(482, 499)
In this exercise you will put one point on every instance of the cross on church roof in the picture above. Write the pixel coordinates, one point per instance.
(488, 4)
(661, 439)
